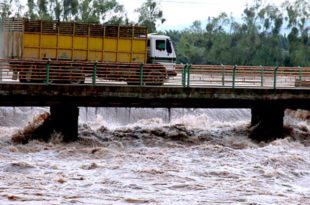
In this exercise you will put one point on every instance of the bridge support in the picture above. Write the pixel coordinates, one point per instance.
(64, 119)
(267, 122)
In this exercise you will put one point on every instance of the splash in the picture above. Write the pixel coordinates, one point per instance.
(28, 132)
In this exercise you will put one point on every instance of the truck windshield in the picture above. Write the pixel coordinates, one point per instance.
(160, 45)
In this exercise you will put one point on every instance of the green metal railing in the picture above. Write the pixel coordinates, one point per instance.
(141, 75)
(223, 75)
(184, 74)
(98, 73)
(262, 76)
(275, 77)
(95, 73)
(244, 76)
(234, 76)
(47, 79)
(300, 73)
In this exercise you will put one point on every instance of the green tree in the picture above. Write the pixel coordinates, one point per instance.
(149, 15)
(77, 10)
(298, 15)
(100, 11)
(5, 8)
(31, 14)
(70, 9)
(259, 39)
(43, 12)
(57, 10)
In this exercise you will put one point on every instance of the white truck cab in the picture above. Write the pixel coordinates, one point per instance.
(160, 50)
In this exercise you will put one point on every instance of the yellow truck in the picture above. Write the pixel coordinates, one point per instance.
(29, 43)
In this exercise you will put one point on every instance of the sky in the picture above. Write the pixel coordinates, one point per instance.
(180, 14)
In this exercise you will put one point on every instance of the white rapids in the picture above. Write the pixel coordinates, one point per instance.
(144, 156)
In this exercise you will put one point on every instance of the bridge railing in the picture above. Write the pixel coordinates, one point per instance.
(244, 76)
(98, 73)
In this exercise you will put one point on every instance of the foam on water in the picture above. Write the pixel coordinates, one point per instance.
(153, 156)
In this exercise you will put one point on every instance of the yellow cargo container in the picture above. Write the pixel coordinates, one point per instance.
(33, 39)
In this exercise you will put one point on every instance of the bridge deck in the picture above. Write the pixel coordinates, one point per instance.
(150, 96)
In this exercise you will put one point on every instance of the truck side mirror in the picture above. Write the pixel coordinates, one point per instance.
(168, 46)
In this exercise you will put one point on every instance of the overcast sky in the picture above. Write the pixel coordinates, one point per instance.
(181, 13)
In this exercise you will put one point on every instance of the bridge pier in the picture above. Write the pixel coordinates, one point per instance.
(267, 122)
(64, 119)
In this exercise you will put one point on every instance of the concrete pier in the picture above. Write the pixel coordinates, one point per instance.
(64, 119)
(267, 122)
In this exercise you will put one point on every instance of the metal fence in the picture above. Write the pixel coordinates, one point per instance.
(134, 74)
(244, 76)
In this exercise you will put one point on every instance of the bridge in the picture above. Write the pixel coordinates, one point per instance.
(267, 91)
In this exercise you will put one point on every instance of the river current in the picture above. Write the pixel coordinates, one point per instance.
(156, 156)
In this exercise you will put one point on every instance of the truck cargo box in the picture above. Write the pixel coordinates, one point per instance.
(37, 40)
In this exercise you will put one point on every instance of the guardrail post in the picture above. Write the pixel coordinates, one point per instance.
(95, 73)
(47, 77)
(189, 75)
(234, 76)
(275, 77)
(262, 76)
(184, 75)
(223, 75)
(141, 74)
(300, 73)
(1, 70)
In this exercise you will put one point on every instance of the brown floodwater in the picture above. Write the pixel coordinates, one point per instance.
(186, 157)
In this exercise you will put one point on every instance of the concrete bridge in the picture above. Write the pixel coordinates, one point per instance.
(267, 91)
(267, 104)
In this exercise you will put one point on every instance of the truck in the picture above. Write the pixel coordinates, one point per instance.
(72, 51)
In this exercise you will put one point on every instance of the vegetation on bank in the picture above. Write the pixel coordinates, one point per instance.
(266, 34)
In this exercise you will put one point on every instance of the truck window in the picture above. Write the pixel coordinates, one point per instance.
(169, 47)
(160, 45)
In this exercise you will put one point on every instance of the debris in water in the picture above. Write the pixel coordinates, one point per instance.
(90, 167)
(137, 201)
(13, 149)
(27, 133)
(299, 114)
(12, 198)
(61, 180)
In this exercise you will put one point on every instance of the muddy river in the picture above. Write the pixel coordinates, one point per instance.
(158, 156)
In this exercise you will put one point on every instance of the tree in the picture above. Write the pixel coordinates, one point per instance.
(100, 11)
(31, 10)
(298, 15)
(70, 9)
(149, 15)
(259, 39)
(5, 9)
(104, 11)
